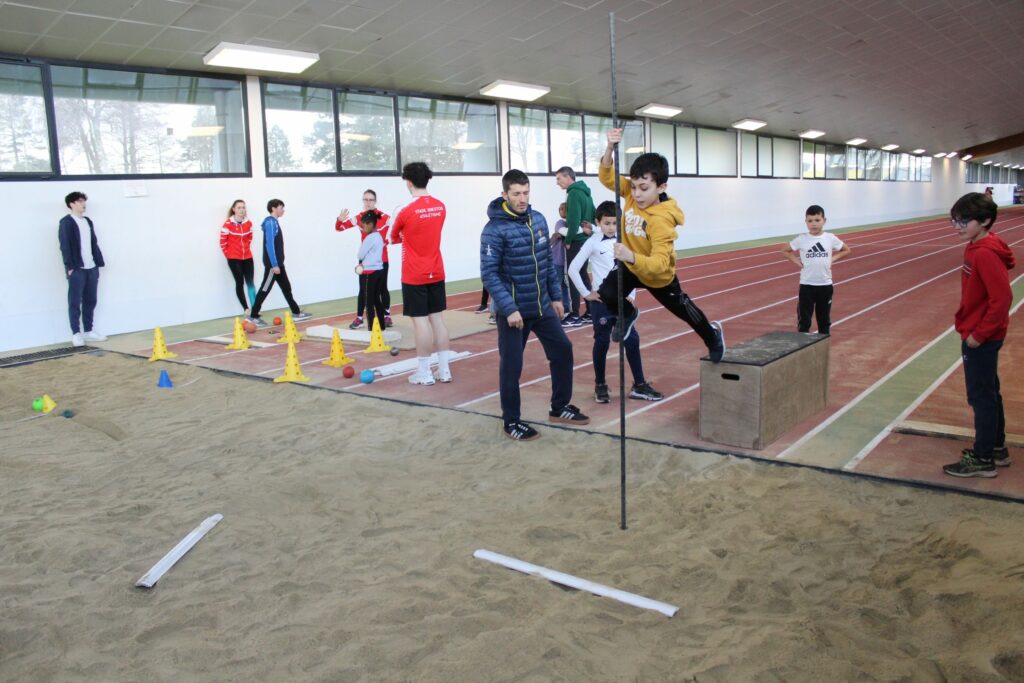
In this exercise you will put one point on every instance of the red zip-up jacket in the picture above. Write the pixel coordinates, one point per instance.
(236, 239)
(985, 294)
(382, 228)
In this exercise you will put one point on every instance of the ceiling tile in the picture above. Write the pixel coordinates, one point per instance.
(102, 8)
(203, 18)
(27, 19)
(17, 42)
(178, 39)
(111, 53)
(161, 12)
(60, 47)
(78, 27)
(130, 33)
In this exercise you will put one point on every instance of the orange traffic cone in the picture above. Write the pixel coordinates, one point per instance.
(291, 335)
(160, 351)
(338, 357)
(239, 342)
(292, 370)
(377, 344)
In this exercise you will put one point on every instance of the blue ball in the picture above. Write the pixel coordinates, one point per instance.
(366, 376)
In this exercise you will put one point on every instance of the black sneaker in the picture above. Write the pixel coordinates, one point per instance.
(570, 414)
(520, 431)
(645, 392)
(971, 466)
(717, 350)
(482, 309)
(627, 325)
(568, 321)
(601, 393)
(586, 319)
(1001, 456)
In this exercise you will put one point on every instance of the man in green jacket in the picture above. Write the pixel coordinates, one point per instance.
(579, 215)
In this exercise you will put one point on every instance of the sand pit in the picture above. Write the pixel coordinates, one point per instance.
(346, 549)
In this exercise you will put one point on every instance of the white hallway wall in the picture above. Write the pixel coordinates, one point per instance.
(164, 266)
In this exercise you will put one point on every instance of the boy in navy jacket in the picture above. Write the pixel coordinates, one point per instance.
(82, 262)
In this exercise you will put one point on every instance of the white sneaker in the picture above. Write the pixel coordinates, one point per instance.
(444, 377)
(76, 339)
(93, 335)
(425, 380)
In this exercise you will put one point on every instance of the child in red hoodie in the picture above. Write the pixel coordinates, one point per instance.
(981, 320)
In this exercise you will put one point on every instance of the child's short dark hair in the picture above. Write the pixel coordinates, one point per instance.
(975, 206)
(514, 177)
(273, 204)
(369, 218)
(73, 197)
(371, 192)
(417, 173)
(652, 164)
(606, 209)
(815, 210)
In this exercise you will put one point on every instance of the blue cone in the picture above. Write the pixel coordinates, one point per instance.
(165, 381)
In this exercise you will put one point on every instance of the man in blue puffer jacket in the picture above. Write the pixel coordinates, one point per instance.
(515, 266)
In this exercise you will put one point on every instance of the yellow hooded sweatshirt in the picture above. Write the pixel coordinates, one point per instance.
(649, 233)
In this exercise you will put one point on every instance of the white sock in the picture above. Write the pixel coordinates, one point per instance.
(442, 362)
(424, 365)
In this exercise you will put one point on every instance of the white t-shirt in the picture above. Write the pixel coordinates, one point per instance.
(599, 250)
(85, 240)
(816, 255)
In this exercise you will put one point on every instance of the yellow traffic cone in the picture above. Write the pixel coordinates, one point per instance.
(239, 342)
(48, 403)
(160, 351)
(291, 335)
(338, 357)
(292, 371)
(377, 344)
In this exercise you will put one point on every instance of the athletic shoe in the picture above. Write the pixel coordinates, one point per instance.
(1001, 456)
(355, 324)
(570, 414)
(520, 431)
(645, 392)
(76, 339)
(93, 335)
(585, 319)
(425, 380)
(444, 377)
(971, 466)
(568, 321)
(717, 350)
(601, 393)
(482, 309)
(627, 325)
(258, 322)
(492, 320)
(302, 315)
(387, 321)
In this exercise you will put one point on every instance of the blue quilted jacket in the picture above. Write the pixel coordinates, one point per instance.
(515, 262)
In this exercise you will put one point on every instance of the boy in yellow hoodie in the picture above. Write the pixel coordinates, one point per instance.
(648, 246)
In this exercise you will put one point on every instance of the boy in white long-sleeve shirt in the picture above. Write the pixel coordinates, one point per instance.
(372, 276)
(598, 249)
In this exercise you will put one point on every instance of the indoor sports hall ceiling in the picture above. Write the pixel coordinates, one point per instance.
(937, 74)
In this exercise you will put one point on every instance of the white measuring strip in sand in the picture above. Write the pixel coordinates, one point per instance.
(150, 578)
(577, 583)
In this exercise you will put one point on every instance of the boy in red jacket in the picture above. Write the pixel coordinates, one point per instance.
(981, 320)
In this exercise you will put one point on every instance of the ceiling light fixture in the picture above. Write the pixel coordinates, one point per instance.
(889, 148)
(510, 90)
(812, 134)
(987, 163)
(659, 111)
(939, 155)
(968, 157)
(856, 141)
(919, 150)
(255, 58)
(467, 145)
(953, 154)
(749, 124)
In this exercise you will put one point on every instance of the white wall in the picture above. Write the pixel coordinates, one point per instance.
(164, 266)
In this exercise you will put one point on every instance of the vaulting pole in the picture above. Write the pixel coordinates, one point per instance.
(619, 324)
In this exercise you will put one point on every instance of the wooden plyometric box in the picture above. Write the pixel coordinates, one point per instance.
(763, 387)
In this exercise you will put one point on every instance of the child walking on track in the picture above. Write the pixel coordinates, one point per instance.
(982, 320)
(343, 223)
(273, 265)
(648, 246)
(371, 268)
(236, 243)
(598, 250)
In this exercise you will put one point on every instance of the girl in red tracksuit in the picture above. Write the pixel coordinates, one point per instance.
(236, 243)
(344, 223)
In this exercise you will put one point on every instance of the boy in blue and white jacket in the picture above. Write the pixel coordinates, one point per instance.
(273, 266)
(515, 266)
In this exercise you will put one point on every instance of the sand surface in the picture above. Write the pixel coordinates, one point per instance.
(345, 553)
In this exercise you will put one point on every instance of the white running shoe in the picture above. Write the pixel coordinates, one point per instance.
(76, 339)
(425, 380)
(93, 335)
(444, 377)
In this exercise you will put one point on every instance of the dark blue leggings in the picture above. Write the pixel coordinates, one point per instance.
(604, 323)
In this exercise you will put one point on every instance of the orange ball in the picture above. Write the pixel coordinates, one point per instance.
(277, 320)
(248, 326)
(349, 371)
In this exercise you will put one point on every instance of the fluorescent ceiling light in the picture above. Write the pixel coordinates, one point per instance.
(661, 111)
(749, 124)
(918, 151)
(204, 131)
(255, 58)
(634, 150)
(812, 134)
(467, 145)
(889, 148)
(856, 141)
(355, 137)
(510, 90)
(939, 155)
(987, 163)
(953, 154)
(967, 157)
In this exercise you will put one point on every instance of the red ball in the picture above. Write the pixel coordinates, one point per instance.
(349, 371)
(277, 320)
(248, 326)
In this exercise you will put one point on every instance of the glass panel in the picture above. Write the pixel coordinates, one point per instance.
(873, 164)
(632, 142)
(785, 158)
(748, 155)
(764, 157)
(595, 139)
(835, 162)
(686, 150)
(663, 142)
(452, 137)
(716, 152)
(366, 130)
(808, 159)
(300, 129)
(903, 166)
(566, 141)
(886, 165)
(528, 139)
(851, 163)
(24, 137)
(926, 170)
(127, 122)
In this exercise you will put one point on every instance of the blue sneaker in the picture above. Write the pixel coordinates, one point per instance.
(717, 350)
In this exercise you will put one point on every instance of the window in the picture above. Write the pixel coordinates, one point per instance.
(299, 123)
(873, 164)
(748, 155)
(663, 141)
(24, 134)
(450, 136)
(528, 139)
(595, 140)
(926, 170)
(785, 158)
(566, 141)
(366, 132)
(835, 161)
(902, 167)
(716, 152)
(686, 150)
(113, 122)
(632, 142)
(765, 157)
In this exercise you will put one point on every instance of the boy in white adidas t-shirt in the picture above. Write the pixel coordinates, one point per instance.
(814, 253)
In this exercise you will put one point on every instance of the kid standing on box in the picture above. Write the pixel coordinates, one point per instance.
(814, 253)
(648, 246)
(372, 276)
(981, 320)
(344, 223)
(273, 265)
(236, 243)
(598, 249)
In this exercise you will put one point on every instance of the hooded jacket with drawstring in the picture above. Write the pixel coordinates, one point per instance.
(515, 261)
(579, 207)
(985, 294)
